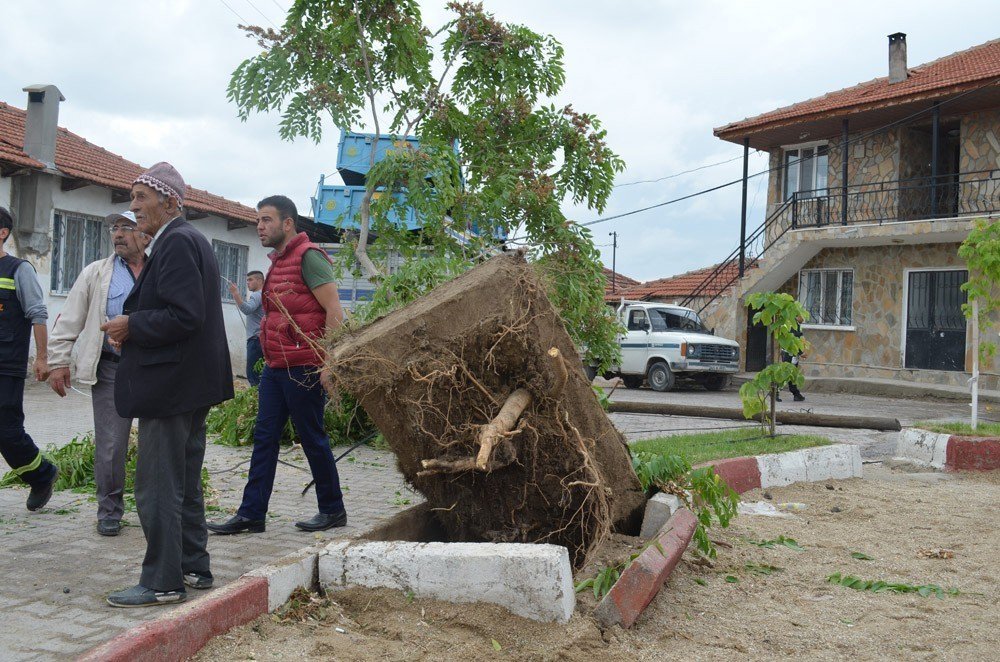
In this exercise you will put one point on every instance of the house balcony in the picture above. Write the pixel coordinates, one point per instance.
(970, 194)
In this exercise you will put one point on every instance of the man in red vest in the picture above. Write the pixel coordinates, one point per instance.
(301, 303)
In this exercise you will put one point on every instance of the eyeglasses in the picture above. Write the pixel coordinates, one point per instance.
(121, 228)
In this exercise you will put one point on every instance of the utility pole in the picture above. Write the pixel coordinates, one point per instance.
(614, 251)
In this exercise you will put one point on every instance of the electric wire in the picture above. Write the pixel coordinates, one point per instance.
(243, 21)
(685, 172)
(850, 140)
(249, 2)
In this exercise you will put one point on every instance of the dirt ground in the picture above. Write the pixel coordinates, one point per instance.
(732, 610)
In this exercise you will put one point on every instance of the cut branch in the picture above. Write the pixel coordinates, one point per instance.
(494, 431)
(559, 365)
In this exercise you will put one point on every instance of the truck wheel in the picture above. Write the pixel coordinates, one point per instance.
(659, 377)
(716, 382)
(632, 382)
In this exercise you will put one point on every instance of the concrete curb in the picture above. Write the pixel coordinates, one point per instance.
(533, 581)
(184, 630)
(642, 579)
(948, 452)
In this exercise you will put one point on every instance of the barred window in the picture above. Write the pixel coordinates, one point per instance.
(77, 240)
(828, 295)
(232, 259)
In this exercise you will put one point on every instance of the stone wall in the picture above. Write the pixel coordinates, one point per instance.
(874, 348)
(979, 155)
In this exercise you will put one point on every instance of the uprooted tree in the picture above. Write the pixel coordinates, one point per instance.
(476, 386)
(479, 391)
(493, 159)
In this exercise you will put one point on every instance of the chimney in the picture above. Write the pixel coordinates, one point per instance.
(42, 123)
(897, 57)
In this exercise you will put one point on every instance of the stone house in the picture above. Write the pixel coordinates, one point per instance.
(60, 186)
(871, 189)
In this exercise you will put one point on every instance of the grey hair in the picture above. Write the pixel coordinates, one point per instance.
(163, 197)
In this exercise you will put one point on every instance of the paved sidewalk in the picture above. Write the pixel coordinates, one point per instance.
(55, 570)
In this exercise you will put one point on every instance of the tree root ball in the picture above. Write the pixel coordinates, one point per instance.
(481, 395)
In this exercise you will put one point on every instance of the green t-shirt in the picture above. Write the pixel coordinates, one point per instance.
(316, 269)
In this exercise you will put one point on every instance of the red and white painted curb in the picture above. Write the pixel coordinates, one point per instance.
(184, 630)
(948, 452)
(642, 579)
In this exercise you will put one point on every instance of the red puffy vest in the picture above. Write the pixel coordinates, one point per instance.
(294, 321)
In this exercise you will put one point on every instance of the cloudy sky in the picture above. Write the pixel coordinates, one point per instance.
(147, 81)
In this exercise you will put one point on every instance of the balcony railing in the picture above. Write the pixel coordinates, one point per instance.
(919, 198)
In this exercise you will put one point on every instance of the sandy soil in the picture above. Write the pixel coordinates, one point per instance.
(891, 516)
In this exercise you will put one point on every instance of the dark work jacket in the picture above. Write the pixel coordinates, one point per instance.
(15, 328)
(176, 358)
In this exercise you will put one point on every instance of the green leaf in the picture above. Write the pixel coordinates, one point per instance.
(700, 582)
(861, 556)
(496, 645)
(732, 579)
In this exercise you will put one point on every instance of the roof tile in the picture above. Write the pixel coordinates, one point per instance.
(940, 77)
(79, 158)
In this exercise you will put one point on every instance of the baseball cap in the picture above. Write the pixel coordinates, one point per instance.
(115, 216)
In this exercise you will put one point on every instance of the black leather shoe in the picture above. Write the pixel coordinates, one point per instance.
(109, 527)
(323, 521)
(777, 398)
(236, 524)
(799, 397)
(40, 494)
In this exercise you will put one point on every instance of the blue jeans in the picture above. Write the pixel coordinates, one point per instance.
(294, 392)
(254, 354)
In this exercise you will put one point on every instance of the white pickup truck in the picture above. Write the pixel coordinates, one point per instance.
(664, 343)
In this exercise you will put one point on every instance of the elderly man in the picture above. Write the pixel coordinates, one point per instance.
(22, 313)
(98, 295)
(254, 311)
(174, 367)
(301, 304)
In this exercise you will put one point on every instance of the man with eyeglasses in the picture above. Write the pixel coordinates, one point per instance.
(97, 296)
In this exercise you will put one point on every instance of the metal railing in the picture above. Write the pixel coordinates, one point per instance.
(727, 273)
(918, 198)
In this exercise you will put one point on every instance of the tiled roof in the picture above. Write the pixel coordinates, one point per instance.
(685, 284)
(944, 76)
(621, 283)
(78, 158)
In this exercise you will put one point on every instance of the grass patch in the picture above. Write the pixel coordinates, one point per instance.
(705, 446)
(960, 428)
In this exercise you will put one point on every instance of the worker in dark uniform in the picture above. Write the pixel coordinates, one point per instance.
(22, 310)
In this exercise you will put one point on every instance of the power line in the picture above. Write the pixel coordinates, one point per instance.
(781, 166)
(685, 172)
(249, 2)
(280, 8)
(243, 21)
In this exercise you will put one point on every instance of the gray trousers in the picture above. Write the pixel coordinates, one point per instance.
(111, 433)
(169, 499)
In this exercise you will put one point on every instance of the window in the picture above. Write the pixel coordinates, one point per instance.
(637, 320)
(828, 295)
(77, 240)
(806, 171)
(676, 320)
(232, 259)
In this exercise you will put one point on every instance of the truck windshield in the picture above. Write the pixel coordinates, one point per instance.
(664, 319)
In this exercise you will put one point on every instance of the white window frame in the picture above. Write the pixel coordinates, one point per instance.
(242, 254)
(87, 251)
(811, 324)
(816, 144)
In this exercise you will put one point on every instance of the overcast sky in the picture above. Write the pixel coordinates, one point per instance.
(147, 81)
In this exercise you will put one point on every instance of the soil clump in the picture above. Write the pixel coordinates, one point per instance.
(479, 391)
